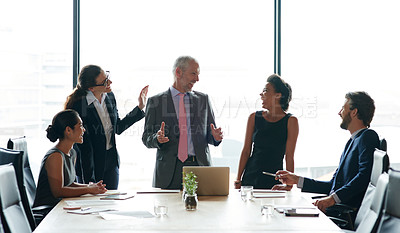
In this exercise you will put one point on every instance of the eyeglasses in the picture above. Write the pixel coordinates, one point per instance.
(105, 82)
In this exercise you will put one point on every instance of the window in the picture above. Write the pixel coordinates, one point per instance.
(138, 41)
(35, 65)
(328, 49)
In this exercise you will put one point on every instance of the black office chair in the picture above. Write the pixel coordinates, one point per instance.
(1, 221)
(39, 212)
(372, 215)
(16, 158)
(14, 218)
(390, 221)
(30, 185)
(344, 215)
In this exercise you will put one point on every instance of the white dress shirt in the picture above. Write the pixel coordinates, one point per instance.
(103, 114)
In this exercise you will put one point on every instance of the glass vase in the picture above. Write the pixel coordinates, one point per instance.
(191, 202)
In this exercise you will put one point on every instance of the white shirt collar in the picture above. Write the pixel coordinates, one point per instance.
(355, 133)
(175, 92)
(90, 98)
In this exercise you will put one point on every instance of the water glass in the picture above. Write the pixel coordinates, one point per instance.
(267, 207)
(160, 208)
(246, 193)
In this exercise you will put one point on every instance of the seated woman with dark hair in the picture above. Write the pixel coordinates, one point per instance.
(57, 172)
(271, 136)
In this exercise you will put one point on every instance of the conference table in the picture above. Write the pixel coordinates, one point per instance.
(214, 214)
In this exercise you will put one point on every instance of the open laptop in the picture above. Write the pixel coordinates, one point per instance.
(212, 181)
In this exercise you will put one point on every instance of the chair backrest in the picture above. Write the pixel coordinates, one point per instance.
(373, 214)
(16, 158)
(383, 144)
(380, 165)
(1, 221)
(30, 185)
(15, 219)
(390, 221)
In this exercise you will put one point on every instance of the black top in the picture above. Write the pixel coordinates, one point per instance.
(269, 147)
(44, 195)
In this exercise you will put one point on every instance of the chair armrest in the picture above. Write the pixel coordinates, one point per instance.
(339, 222)
(41, 208)
(343, 208)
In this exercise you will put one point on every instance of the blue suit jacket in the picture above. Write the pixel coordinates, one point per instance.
(161, 108)
(92, 152)
(351, 178)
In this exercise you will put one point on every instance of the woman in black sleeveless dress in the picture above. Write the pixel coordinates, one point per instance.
(57, 172)
(271, 136)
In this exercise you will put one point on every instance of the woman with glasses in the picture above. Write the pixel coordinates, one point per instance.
(57, 172)
(271, 136)
(95, 102)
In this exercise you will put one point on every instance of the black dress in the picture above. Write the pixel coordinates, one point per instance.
(44, 196)
(269, 147)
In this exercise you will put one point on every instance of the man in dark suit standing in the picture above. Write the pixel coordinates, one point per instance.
(350, 181)
(180, 124)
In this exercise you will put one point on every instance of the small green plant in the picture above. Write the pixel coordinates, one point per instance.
(190, 183)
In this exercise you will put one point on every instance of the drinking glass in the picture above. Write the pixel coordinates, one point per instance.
(160, 207)
(246, 193)
(267, 207)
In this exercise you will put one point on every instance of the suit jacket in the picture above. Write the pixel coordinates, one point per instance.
(92, 152)
(160, 108)
(351, 178)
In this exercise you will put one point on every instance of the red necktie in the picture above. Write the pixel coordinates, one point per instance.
(183, 141)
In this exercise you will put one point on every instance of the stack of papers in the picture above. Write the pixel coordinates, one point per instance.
(116, 215)
(88, 210)
(117, 197)
(268, 193)
(112, 192)
(90, 202)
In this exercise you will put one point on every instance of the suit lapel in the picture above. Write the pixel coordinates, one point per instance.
(110, 110)
(348, 149)
(92, 110)
(193, 108)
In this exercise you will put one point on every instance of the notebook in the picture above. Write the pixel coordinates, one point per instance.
(302, 212)
(212, 181)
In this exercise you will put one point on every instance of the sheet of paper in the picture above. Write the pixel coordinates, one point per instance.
(117, 197)
(115, 215)
(89, 210)
(158, 191)
(112, 192)
(268, 191)
(269, 195)
(90, 202)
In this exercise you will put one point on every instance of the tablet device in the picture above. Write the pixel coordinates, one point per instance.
(302, 212)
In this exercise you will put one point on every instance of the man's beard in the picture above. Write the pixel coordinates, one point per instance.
(345, 122)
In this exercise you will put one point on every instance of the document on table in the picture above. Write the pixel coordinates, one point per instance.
(265, 193)
(155, 190)
(89, 210)
(90, 202)
(116, 215)
(112, 192)
(117, 197)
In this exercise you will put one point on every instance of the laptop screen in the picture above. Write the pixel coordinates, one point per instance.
(212, 181)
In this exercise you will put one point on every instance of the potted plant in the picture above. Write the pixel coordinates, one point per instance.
(190, 188)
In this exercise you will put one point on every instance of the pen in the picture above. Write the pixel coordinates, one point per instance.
(268, 173)
(86, 208)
